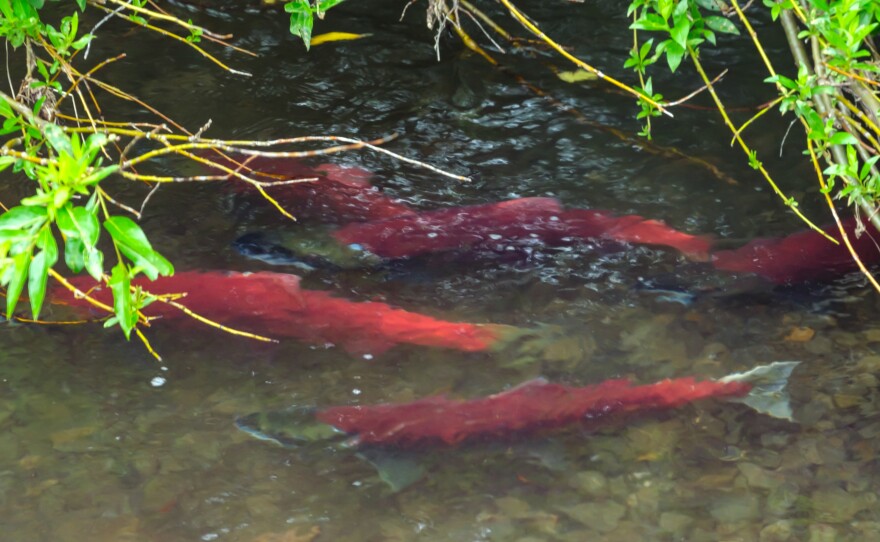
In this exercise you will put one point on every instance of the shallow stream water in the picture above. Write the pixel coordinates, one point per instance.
(99, 442)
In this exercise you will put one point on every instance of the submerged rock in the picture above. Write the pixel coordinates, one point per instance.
(836, 505)
(601, 516)
(675, 523)
(592, 483)
(734, 507)
(821, 532)
(782, 499)
(779, 531)
(758, 477)
(76, 439)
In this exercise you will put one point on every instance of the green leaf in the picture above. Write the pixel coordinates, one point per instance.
(58, 139)
(131, 241)
(646, 48)
(866, 167)
(92, 204)
(80, 228)
(323, 5)
(711, 5)
(16, 282)
(710, 36)
(674, 54)
(680, 9)
(94, 260)
(78, 222)
(679, 33)
(782, 80)
(301, 20)
(73, 254)
(721, 24)
(120, 285)
(843, 138)
(99, 175)
(6, 161)
(22, 218)
(815, 123)
(822, 89)
(38, 274)
(651, 22)
(82, 42)
(7, 10)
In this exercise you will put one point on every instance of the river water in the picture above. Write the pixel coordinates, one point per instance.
(100, 442)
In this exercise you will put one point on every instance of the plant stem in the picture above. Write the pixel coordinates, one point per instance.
(824, 108)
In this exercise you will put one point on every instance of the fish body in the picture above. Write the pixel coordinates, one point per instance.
(390, 229)
(535, 406)
(275, 304)
(804, 256)
(501, 227)
(324, 192)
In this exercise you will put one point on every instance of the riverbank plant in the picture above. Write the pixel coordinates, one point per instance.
(833, 93)
(55, 137)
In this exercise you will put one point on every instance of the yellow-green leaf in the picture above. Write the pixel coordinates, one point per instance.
(131, 241)
(38, 271)
(120, 284)
(336, 36)
(16, 282)
(577, 76)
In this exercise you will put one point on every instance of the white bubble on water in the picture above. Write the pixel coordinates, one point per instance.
(158, 382)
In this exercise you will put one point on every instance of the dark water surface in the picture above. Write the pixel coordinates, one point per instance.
(99, 442)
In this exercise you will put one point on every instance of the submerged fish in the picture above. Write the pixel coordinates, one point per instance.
(803, 256)
(274, 304)
(533, 407)
(495, 227)
(334, 194)
(377, 228)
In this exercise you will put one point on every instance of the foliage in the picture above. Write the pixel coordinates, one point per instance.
(66, 163)
(302, 16)
(834, 94)
(66, 158)
(66, 168)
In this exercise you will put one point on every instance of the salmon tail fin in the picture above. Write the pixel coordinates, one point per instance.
(769, 393)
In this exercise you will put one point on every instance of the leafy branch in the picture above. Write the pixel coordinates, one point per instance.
(834, 94)
(302, 16)
(66, 157)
